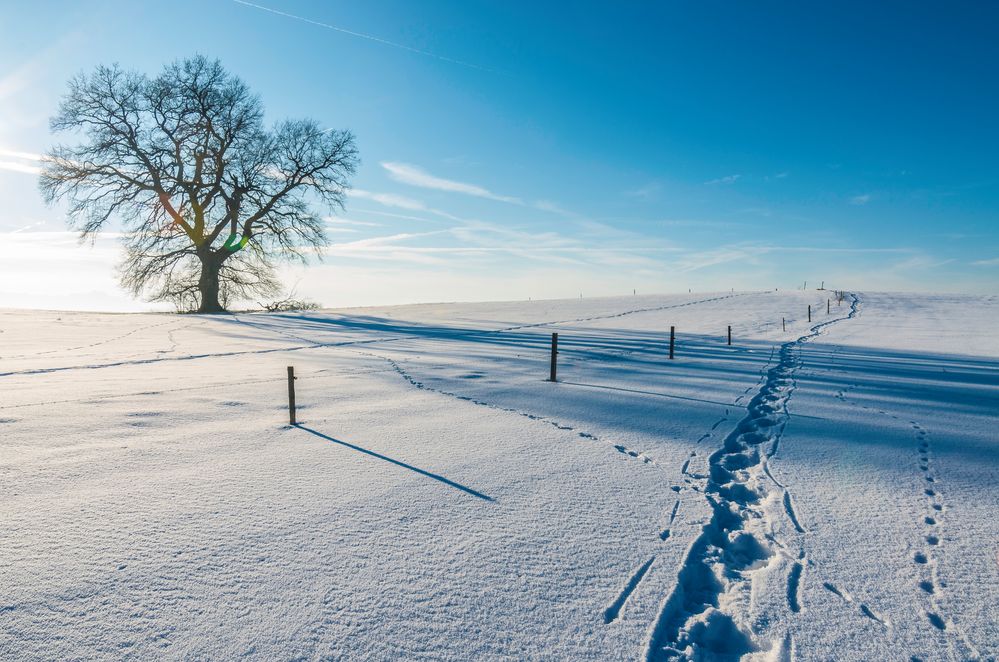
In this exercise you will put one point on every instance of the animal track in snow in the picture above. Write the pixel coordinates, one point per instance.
(534, 417)
(927, 583)
(613, 612)
(616, 315)
(794, 586)
(99, 342)
(869, 613)
(864, 608)
(832, 588)
(672, 517)
(937, 622)
(789, 507)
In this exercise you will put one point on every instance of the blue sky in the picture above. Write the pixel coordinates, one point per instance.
(515, 150)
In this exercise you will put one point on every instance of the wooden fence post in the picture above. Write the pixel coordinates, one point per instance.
(828, 304)
(809, 312)
(672, 341)
(291, 395)
(551, 377)
(729, 334)
(783, 324)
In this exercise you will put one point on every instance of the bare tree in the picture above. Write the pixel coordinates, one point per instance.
(207, 196)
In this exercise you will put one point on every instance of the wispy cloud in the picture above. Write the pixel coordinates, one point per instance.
(918, 263)
(752, 253)
(399, 202)
(476, 241)
(361, 35)
(415, 176)
(388, 199)
(27, 156)
(861, 199)
(647, 192)
(26, 162)
(765, 212)
(694, 223)
(387, 214)
(28, 227)
(336, 220)
(371, 242)
(702, 259)
(993, 262)
(836, 249)
(14, 166)
(729, 179)
(554, 208)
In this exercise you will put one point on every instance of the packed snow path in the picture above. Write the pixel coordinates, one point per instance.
(821, 493)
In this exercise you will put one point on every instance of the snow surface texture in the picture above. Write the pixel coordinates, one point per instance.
(824, 492)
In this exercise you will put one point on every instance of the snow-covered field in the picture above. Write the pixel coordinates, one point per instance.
(824, 492)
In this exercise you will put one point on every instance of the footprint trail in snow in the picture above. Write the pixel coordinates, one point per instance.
(705, 614)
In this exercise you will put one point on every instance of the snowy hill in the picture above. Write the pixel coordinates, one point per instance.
(827, 491)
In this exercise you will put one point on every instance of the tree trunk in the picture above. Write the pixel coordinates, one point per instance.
(208, 283)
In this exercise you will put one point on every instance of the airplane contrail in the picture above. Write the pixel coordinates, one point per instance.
(361, 35)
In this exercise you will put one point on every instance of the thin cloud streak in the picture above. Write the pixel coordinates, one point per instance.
(14, 166)
(751, 253)
(387, 214)
(647, 192)
(730, 179)
(694, 223)
(27, 227)
(27, 156)
(477, 240)
(555, 208)
(18, 166)
(336, 220)
(399, 202)
(361, 35)
(415, 176)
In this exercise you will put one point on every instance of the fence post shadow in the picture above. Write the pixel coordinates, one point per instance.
(441, 479)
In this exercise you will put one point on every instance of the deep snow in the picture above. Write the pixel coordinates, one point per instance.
(827, 492)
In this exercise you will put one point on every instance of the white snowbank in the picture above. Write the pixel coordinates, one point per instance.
(441, 500)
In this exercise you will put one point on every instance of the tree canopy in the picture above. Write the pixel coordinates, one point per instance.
(207, 196)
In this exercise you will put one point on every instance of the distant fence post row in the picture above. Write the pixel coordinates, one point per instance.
(553, 371)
